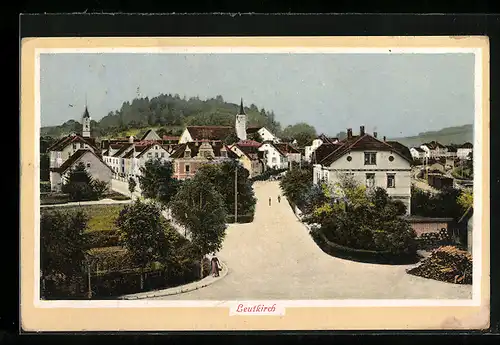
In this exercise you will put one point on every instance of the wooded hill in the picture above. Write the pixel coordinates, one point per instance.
(169, 114)
(446, 136)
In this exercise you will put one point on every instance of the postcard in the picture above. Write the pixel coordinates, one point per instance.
(255, 183)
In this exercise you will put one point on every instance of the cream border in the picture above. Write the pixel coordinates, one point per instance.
(62, 317)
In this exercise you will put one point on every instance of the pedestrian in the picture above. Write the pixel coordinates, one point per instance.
(215, 266)
(269, 201)
(279, 199)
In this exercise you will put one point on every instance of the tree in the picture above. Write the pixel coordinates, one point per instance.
(302, 132)
(81, 186)
(131, 186)
(62, 243)
(295, 185)
(222, 177)
(201, 210)
(157, 182)
(142, 232)
(465, 200)
(231, 138)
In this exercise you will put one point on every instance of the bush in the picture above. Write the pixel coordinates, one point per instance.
(54, 199)
(102, 238)
(45, 187)
(119, 197)
(448, 264)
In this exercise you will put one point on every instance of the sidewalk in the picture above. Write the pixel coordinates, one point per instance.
(86, 203)
(209, 280)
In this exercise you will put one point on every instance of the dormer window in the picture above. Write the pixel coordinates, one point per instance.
(187, 154)
(223, 153)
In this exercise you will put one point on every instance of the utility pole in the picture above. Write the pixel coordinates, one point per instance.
(236, 193)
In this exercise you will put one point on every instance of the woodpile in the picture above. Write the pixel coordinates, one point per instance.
(448, 264)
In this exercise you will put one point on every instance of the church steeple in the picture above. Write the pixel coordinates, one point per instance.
(86, 122)
(242, 111)
(241, 123)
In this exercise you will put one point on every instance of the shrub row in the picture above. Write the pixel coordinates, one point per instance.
(244, 218)
(448, 264)
(54, 198)
(102, 238)
(360, 255)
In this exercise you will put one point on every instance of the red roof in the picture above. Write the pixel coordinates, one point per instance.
(248, 143)
(65, 141)
(209, 132)
(168, 137)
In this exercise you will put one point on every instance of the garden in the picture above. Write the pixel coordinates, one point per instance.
(349, 221)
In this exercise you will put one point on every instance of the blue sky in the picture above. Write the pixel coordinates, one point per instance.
(395, 94)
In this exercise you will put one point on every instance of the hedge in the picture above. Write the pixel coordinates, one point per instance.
(53, 199)
(102, 238)
(244, 218)
(361, 255)
(116, 196)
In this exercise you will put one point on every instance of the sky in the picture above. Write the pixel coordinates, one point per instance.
(394, 94)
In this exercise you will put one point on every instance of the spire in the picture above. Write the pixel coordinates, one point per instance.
(242, 111)
(86, 113)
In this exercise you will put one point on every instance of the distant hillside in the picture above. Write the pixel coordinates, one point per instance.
(450, 135)
(168, 114)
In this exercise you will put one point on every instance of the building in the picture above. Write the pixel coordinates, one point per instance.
(321, 139)
(69, 151)
(417, 152)
(451, 152)
(250, 157)
(274, 158)
(292, 154)
(189, 157)
(241, 123)
(370, 161)
(464, 150)
(197, 133)
(434, 150)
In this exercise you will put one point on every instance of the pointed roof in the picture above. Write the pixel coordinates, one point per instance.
(86, 114)
(242, 111)
(75, 157)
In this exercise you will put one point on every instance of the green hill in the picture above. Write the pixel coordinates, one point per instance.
(446, 136)
(168, 114)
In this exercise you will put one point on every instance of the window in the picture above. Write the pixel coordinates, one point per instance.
(162, 154)
(88, 165)
(370, 180)
(187, 154)
(156, 154)
(150, 155)
(391, 181)
(223, 153)
(74, 146)
(391, 158)
(370, 158)
(274, 160)
(187, 168)
(82, 145)
(349, 158)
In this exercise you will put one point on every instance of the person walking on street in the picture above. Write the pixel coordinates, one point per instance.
(269, 201)
(215, 266)
(279, 199)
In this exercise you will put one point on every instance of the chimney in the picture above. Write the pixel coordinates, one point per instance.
(131, 139)
(375, 134)
(349, 133)
(361, 130)
(384, 137)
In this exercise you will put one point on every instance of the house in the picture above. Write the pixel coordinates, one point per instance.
(292, 154)
(274, 158)
(417, 152)
(451, 152)
(94, 165)
(434, 149)
(198, 133)
(464, 150)
(250, 157)
(321, 139)
(189, 157)
(150, 135)
(68, 151)
(370, 161)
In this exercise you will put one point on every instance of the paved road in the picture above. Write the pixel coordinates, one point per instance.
(275, 258)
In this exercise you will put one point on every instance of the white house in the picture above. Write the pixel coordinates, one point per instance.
(273, 156)
(434, 149)
(464, 150)
(417, 152)
(71, 149)
(266, 135)
(94, 165)
(372, 162)
(321, 139)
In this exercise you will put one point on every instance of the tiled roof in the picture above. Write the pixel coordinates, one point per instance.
(419, 149)
(146, 148)
(466, 145)
(324, 150)
(251, 152)
(451, 148)
(252, 143)
(74, 158)
(434, 145)
(365, 142)
(194, 148)
(122, 149)
(147, 132)
(253, 129)
(70, 139)
(170, 138)
(286, 148)
(209, 132)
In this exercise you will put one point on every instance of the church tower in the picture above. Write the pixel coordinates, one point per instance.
(241, 123)
(86, 123)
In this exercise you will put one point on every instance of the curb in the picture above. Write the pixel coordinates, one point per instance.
(179, 289)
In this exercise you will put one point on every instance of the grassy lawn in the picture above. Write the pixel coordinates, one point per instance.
(101, 217)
